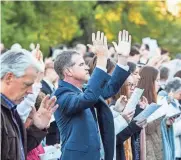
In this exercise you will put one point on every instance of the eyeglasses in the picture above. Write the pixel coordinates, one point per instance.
(135, 73)
(131, 85)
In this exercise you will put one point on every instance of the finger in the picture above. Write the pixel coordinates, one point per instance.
(120, 36)
(130, 118)
(142, 124)
(127, 36)
(105, 41)
(171, 121)
(33, 111)
(121, 97)
(102, 37)
(38, 47)
(130, 39)
(126, 101)
(144, 99)
(54, 108)
(124, 98)
(124, 35)
(93, 38)
(44, 101)
(142, 121)
(131, 113)
(98, 36)
(37, 51)
(51, 102)
(41, 56)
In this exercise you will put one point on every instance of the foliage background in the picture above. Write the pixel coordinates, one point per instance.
(68, 22)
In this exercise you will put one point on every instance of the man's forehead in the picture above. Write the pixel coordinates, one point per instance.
(31, 71)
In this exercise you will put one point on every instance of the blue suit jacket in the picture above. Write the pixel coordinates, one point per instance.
(76, 120)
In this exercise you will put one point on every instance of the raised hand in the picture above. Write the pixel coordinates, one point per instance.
(39, 56)
(42, 117)
(39, 77)
(120, 104)
(124, 43)
(37, 53)
(99, 46)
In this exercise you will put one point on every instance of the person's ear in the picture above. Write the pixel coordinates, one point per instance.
(68, 72)
(8, 78)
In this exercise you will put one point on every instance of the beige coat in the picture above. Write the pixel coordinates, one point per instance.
(153, 149)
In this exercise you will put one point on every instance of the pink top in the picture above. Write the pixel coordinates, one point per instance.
(34, 154)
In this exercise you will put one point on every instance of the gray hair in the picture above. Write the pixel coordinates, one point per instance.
(173, 85)
(63, 61)
(17, 61)
(164, 73)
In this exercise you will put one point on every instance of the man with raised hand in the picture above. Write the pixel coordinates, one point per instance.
(77, 120)
(19, 69)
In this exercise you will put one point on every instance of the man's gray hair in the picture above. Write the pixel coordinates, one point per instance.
(173, 85)
(17, 61)
(164, 73)
(63, 61)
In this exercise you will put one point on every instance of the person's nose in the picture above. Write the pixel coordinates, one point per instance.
(30, 90)
(139, 77)
(87, 67)
(132, 86)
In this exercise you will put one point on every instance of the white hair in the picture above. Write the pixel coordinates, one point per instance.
(173, 85)
(17, 61)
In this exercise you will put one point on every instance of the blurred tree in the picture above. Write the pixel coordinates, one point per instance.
(53, 22)
(141, 19)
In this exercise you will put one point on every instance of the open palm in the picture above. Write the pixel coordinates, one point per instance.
(38, 56)
(99, 46)
(42, 117)
(124, 43)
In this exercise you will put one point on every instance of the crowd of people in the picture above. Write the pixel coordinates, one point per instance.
(76, 100)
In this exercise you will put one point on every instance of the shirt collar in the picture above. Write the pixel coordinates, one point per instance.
(69, 85)
(49, 83)
(10, 104)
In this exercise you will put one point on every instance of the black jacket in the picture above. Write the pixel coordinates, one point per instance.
(10, 138)
(132, 131)
(46, 88)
